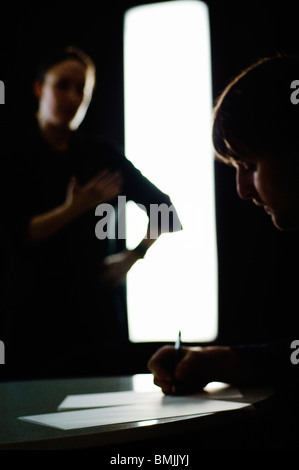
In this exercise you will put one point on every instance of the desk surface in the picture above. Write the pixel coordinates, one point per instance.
(44, 396)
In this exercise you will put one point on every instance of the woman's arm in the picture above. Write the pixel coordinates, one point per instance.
(104, 187)
(118, 265)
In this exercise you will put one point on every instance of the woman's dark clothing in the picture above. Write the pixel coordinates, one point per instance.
(61, 313)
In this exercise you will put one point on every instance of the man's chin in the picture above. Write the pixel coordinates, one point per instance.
(285, 224)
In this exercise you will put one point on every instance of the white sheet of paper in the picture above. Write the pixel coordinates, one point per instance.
(163, 407)
(95, 400)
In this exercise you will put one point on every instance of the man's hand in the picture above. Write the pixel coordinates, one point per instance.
(198, 366)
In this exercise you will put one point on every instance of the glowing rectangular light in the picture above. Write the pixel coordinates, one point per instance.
(168, 115)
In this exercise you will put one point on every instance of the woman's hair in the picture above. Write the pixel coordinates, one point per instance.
(256, 109)
(60, 55)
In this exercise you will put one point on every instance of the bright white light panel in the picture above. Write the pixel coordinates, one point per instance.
(168, 116)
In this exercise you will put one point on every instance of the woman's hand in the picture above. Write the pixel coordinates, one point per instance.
(104, 187)
(116, 267)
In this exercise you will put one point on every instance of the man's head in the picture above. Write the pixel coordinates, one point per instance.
(256, 128)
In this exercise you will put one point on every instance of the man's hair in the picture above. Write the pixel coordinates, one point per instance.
(255, 109)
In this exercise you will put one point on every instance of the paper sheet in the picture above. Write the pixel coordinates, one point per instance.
(160, 407)
(94, 400)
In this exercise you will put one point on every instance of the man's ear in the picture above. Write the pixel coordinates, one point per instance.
(37, 88)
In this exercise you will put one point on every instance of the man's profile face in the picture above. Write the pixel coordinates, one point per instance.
(269, 182)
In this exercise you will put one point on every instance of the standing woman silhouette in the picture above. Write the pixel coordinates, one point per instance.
(75, 280)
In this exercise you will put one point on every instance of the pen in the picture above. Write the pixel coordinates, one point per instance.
(177, 347)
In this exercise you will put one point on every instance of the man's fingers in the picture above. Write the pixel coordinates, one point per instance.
(167, 387)
(161, 363)
(191, 363)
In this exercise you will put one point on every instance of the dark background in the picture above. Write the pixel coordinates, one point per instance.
(257, 263)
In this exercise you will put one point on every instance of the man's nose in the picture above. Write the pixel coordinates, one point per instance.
(244, 183)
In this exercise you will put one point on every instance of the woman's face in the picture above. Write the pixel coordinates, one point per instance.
(65, 94)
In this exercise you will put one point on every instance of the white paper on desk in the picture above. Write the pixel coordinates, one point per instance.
(166, 407)
(95, 400)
